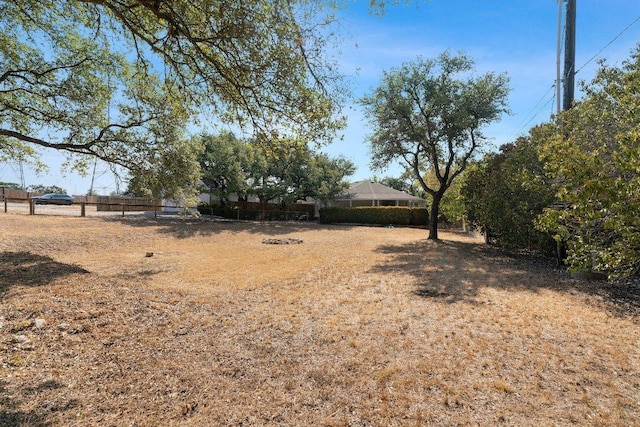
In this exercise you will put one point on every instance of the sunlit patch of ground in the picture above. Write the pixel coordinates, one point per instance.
(141, 322)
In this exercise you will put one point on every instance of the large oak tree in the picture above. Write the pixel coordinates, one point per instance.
(429, 115)
(284, 172)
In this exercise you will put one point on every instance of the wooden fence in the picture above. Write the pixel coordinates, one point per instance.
(129, 204)
(101, 203)
(20, 201)
(10, 193)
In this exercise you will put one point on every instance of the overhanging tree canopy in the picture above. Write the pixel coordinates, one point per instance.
(120, 79)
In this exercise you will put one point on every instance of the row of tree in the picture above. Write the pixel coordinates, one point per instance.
(35, 188)
(282, 173)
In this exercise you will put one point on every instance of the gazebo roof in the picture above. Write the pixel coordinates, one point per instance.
(368, 190)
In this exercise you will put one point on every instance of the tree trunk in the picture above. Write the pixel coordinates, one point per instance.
(433, 217)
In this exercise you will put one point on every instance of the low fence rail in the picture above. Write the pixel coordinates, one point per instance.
(148, 208)
(18, 201)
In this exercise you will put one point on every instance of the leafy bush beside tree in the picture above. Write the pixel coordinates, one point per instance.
(452, 209)
(593, 152)
(504, 194)
(576, 179)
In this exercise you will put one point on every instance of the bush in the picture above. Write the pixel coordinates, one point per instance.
(505, 193)
(214, 210)
(382, 215)
(255, 211)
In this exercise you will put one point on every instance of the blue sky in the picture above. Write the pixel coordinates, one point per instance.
(516, 37)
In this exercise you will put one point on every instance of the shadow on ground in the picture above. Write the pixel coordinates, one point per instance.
(192, 227)
(11, 416)
(26, 268)
(452, 271)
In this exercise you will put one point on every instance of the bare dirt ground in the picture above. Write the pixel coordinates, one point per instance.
(136, 322)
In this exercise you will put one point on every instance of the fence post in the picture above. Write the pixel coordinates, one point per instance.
(32, 207)
(123, 209)
(82, 209)
(5, 205)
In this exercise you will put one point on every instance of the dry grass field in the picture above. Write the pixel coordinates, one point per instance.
(356, 326)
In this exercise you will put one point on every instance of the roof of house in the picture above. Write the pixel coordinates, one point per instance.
(367, 190)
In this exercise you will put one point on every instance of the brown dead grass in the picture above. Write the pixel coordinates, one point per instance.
(355, 326)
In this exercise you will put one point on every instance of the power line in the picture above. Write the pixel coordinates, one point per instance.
(608, 44)
(537, 110)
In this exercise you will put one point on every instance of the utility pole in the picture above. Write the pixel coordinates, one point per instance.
(558, 60)
(569, 55)
(568, 77)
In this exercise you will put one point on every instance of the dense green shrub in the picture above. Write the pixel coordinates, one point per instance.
(593, 152)
(380, 215)
(255, 211)
(504, 194)
(215, 210)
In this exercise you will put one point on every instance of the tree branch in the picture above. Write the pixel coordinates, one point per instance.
(38, 74)
(77, 148)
